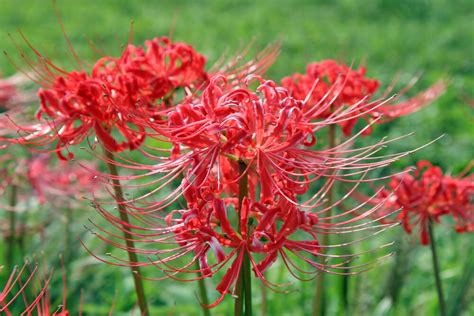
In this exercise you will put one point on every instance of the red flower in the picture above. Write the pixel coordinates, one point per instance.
(267, 129)
(339, 87)
(50, 180)
(118, 93)
(63, 180)
(428, 195)
(7, 93)
(73, 104)
(213, 135)
(12, 92)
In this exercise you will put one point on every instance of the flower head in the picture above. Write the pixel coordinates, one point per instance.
(428, 195)
(73, 104)
(12, 92)
(52, 181)
(339, 86)
(108, 100)
(228, 136)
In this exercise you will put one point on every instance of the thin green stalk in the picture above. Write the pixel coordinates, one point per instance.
(67, 238)
(439, 287)
(458, 299)
(132, 256)
(345, 289)
(239, 300)
(399, 271)
(243, 302)
(319, 302)
(12, 223)
(203, 293)
(247, 285)
(263, 304)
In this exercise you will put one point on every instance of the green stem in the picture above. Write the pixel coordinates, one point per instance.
(319, 302)
(247, 285)
(345, 290)
(398, 272)
(263, 304)
(439, 287)
(239, 300)
(203, 293)
(460, 292)
(132, 256)
(68, 239)
(12, 223)
(244, 285)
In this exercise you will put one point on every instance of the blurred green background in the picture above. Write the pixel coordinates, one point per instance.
(434, 39)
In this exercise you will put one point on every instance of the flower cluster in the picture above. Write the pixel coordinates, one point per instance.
(7, 93)
(244, 180)
(12, 94)
(428, 195)
(49, 180)
(117, 92)
(348, 88)
(247, 161)
(103, 100)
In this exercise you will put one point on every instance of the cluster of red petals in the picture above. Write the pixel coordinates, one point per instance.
(428, 195)
(117, 88)
(226, 125)
(12, 92)
(64, 179)
(347, 87)
(215, 227)
(119, 93)
(52, 181)
(218, 138)
(7, 93)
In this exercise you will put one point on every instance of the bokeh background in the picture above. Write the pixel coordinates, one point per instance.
(431, 39)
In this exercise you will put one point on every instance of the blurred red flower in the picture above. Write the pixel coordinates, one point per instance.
(427, 195)
(339, 86)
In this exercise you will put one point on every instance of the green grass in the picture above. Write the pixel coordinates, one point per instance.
(434, 38)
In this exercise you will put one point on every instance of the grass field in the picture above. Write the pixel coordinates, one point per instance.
(434, 39)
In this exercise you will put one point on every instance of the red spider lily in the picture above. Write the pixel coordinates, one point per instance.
(140, 83)
(12, 92)
(344, 87)
(7, 93)
(268, 130)
(50, 181)
(63, 180)
(206, 232)
(75, 103)
(428, 195)
(270, 133)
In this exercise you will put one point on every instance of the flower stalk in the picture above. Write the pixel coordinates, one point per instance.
(263, 303)
(319, 304)
(243, 301)
(203, 293)
(140, 292)
(436, 270)
(12, 223)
